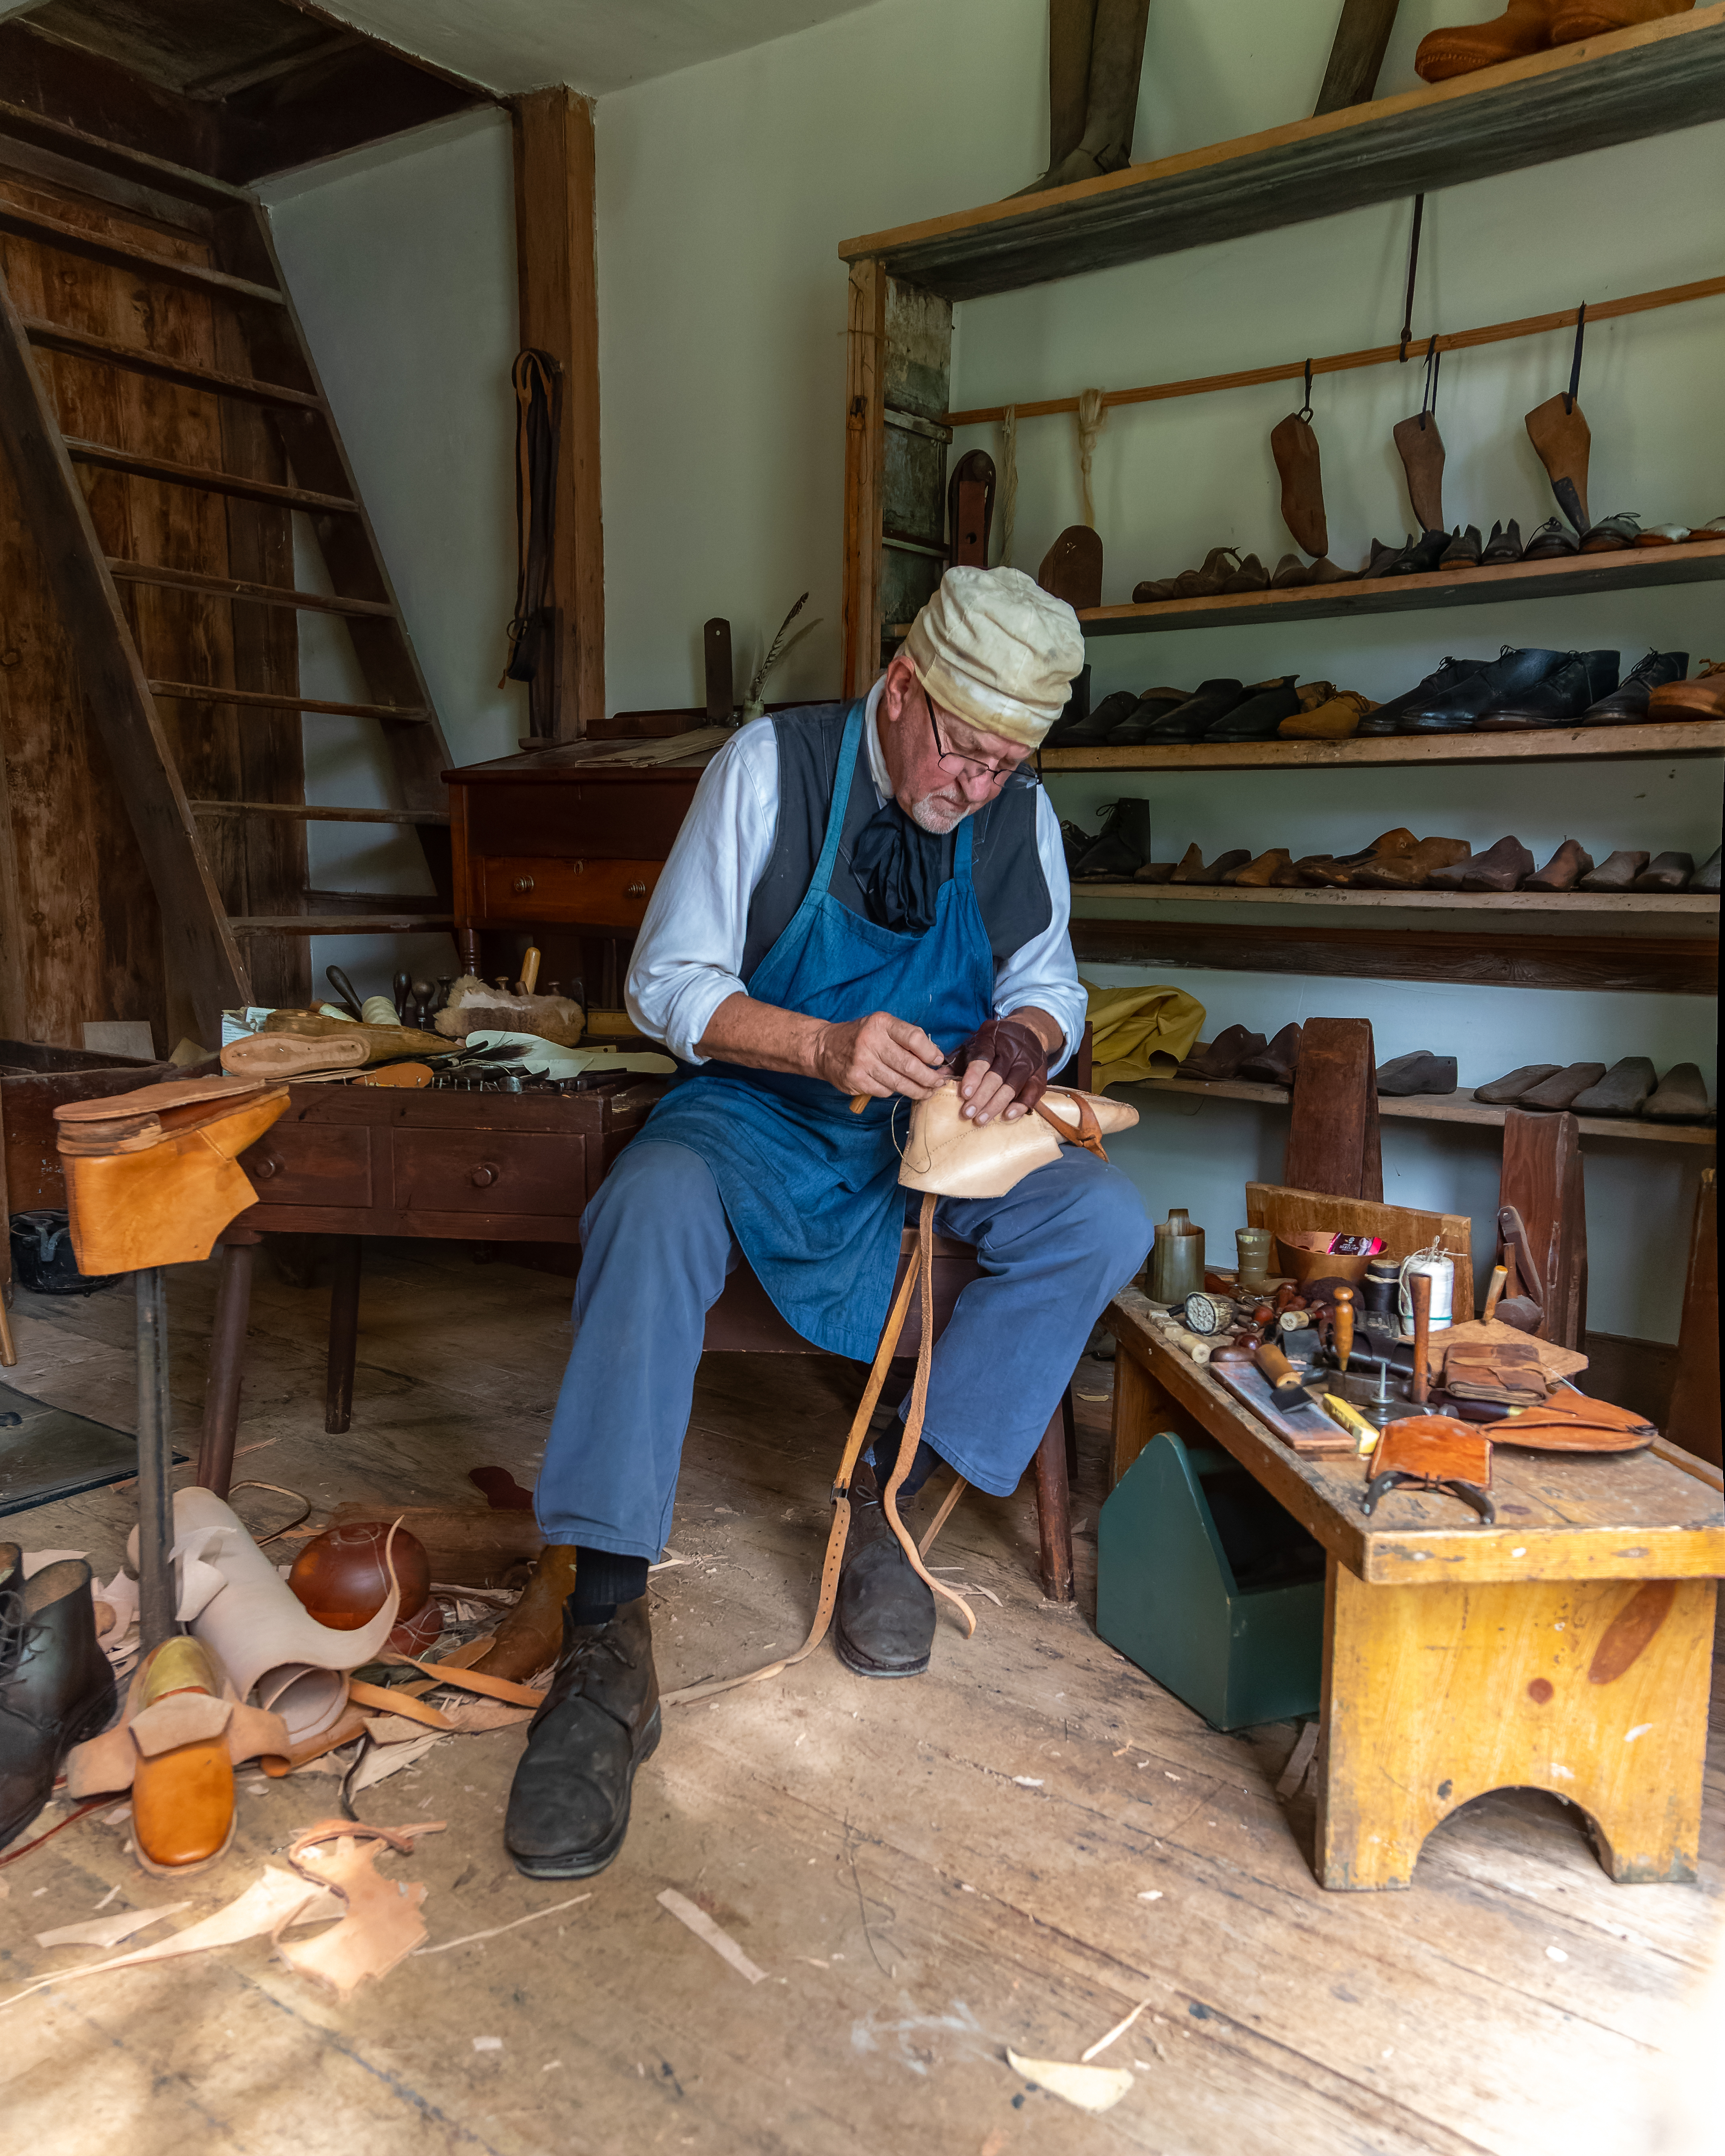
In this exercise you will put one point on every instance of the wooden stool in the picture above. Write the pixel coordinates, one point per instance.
(744, 1322)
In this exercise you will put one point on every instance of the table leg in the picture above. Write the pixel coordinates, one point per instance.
(1140, 1409)
(1053, 1511)
(1595, 1690)
(227, 1366)
(344, 1336)
(156, 1599)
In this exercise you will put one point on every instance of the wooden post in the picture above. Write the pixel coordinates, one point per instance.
(865, 470)
(1053, 1511)
(227, 1360)
(558, 281)
(1362, 38)
(1694, 1422)
(344, 1335)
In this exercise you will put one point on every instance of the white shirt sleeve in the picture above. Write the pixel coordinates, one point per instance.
(690, 945)
(1043, 973)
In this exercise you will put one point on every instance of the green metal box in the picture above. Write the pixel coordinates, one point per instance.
(1211, 1587)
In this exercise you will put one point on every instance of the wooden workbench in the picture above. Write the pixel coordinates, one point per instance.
(1568, 1648)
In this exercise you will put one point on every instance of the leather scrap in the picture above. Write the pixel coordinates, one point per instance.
(383, 1924)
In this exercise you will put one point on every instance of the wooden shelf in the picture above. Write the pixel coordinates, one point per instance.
(1557, 745)
(1542, 903)
(1440, 1108)
(1578, 99)
(1625, 569)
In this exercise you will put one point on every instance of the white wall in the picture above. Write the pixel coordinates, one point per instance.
(724, 192)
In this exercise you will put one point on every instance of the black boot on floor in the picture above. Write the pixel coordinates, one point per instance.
(883, 1624)
(569, 1808)
(56, 1685)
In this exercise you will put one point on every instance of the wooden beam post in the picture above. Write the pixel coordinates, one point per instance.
(557, 271)
(1362, 39)
(865, 471)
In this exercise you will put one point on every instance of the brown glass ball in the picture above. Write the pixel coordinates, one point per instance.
(339, 1575)
(419, 1634)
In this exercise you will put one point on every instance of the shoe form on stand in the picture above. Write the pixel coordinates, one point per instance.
(1702, 698)
(1464, 552)
(1072, 568)
(1680, 1097)
(1456, 709)
(1564, 869)
(1294, 446)
(569, 1803)
(1503, 547)
(1551, 541)
(1096, 56)
(1559, 699)
(1275, 1064)
(1620, 1092)
(1384, 720)
(1121, 845)
(1524, 26)
(1665, 872)
(1419, 1072)
(1626, 705)
(1611, 534)
(1336, 871)
(1221, 1058)
(1597, 18)
(56, 1686)
(1410, 871)
(1616, 872)
(1558, 431)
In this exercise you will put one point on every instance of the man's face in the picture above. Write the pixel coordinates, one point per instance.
(943, 768)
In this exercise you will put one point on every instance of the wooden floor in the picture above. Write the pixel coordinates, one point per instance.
(1014, 1850)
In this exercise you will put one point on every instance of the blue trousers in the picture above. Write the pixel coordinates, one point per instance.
(656, 1248)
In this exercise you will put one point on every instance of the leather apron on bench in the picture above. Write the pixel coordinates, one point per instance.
(812, 1190)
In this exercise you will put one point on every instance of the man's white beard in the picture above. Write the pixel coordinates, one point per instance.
(939, 812)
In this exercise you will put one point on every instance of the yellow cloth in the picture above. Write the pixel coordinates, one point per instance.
(1129, 1027)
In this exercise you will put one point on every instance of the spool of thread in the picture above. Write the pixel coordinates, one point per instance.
(1382, 1278)
(378, 1011)
(1253, 1247)
(1440, 1268)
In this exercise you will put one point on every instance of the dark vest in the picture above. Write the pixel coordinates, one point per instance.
(1006, 868)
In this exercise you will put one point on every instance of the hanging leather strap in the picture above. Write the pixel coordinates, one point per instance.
(1569, 395)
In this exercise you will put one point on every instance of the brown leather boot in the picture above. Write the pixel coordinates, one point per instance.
(1525, 26)
(529, 1637)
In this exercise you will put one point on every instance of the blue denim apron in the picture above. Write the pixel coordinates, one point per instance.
(811, 1190)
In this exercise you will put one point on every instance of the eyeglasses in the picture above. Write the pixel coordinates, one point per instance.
(964, 767)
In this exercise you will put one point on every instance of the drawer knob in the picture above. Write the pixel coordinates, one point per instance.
(265, 1168)
(634, 891)
(482, 1177)
(524, 884)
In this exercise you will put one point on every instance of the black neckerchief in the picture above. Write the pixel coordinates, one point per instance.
(899, 868)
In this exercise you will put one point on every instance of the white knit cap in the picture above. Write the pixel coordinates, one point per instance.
(998, 651)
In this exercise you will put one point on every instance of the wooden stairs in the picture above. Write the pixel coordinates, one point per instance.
(166, 423)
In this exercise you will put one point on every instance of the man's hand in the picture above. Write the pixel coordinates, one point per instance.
(1005, 1068)
(879, 1055)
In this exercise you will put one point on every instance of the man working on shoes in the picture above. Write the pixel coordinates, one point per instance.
(860, 896)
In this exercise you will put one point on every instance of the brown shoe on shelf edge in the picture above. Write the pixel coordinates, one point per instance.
(1274, 1065)
(1221, 1058)
(1702, 698)
(1524, 26)
(1502, 867)
(1206, 582)
(1564, 869)
(1616, 872)
(1409, 871)
(1620, 1092)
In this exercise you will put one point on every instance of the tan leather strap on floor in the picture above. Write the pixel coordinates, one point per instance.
(918, 1269)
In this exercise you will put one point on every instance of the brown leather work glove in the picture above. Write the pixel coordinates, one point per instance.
(1013, 1052)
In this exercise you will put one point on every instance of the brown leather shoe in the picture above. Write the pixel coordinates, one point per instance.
(1409, 871)
(1525, 26)
(181, 1793)
(1219, 564)
(1222, 1057)
(1334, 719)
(1274, 1065)
(1577, 20)
(1564, 869)
(528, 1638)
(1702, 698)
(1336, 870)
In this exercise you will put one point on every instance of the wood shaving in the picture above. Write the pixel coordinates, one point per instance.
(109, 1930)
(1090, 2088)
(703, 1927)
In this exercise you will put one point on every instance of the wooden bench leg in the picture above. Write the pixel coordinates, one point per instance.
(1595, 1690)
(226, 1364)
(1142, 1408)
(344, 1335)
(1053, 1511)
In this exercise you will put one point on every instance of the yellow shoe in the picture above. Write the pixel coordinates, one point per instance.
(1333, 719)
(183, 1785)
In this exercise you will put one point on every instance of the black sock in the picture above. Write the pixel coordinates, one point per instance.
(602, 1579)
(883, 1458)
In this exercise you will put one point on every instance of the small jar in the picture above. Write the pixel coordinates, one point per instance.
(1253, 1245)
(1176, 1259)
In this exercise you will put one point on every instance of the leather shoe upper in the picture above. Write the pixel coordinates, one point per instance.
(1559, 696)
(884, 1618)
(1383, 720)
(1456, 709)
(1628, 701)
(56, 1685)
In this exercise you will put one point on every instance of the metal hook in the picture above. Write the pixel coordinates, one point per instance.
(1305, 412)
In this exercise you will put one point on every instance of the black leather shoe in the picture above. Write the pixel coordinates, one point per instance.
(56, 1686)
(1626, 705)
(1076, 713)
(1258, 716)
(1093, 732)
(1557, 700)
(1456, 710)
(1122, 845)
(568, 1808)
(1553, 539)
(1137, 725)
(1206, 703)
(883, 1623)
(1503, 547)
(1463, 551)
(1419, 559)
(1383, 720)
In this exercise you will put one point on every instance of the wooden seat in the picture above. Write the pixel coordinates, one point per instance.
(744, 1322)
